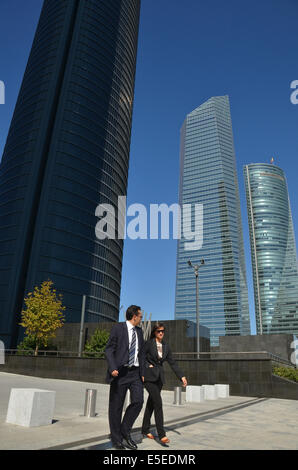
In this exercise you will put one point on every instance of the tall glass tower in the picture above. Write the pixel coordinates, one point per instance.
(208, 176)
(68, 151)
(273, 249)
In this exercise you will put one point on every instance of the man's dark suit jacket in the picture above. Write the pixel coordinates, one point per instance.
(152, 374)
(117, 350)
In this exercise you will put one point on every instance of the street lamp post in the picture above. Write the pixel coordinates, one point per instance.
(196, 271)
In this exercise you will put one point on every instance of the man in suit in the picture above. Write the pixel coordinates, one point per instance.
(125, 355)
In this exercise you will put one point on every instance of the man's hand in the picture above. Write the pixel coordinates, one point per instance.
(143, 378)
(115, 373)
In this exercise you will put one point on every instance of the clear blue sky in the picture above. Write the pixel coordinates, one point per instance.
(188, 52)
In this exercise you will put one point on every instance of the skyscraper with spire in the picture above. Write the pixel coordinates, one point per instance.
(208, 176)
(67, 151)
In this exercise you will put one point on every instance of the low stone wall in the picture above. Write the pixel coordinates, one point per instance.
(69, 368)
(278, 344)
(246, 377)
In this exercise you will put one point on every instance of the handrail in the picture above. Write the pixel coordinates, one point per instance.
(190, 355)
(219, 355)
(269, 355)
(94, 352)
(30, 352)
(281, 360)
(222, 352)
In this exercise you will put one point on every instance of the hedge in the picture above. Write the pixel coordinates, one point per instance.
(286, 372)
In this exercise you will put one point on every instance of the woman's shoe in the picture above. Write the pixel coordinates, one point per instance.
(149, 435)
(164, 440)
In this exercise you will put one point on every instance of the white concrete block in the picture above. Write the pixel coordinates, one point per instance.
(31, 407)
(223, 390)
(194, 393)
(210, 392)
(2, 353)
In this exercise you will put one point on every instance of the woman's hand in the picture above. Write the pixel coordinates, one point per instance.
(151, 365)
(184, 381)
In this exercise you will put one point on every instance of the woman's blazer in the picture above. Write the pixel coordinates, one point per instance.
(152, 374)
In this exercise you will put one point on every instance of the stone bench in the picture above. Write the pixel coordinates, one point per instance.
(194, 394)
(199, 393)
(210, 392)
(223, 390)
(30, 407)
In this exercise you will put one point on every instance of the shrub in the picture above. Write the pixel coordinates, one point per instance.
(96, 345)
(286, 372)
(28, 346)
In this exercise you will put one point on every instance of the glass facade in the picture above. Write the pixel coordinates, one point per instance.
(273, 249)
(68, 151)
(208, 176)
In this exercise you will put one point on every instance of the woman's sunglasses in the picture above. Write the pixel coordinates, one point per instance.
(160, 331)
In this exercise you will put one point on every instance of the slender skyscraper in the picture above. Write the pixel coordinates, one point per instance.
(273, 249)
(68, 151)
(208, 176)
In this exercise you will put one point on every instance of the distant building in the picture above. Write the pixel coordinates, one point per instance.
(67, 151)
(208, 176)
(273, 249)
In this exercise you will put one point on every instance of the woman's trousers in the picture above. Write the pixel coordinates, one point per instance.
(154, 403)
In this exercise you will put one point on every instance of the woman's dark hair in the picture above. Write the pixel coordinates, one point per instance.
(131, 311)
(156, 327)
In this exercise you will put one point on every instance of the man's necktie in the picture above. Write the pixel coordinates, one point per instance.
(132, 349)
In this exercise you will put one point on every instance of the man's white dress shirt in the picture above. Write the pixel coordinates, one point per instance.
(130, 328)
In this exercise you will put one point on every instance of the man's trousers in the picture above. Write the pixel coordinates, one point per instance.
(127, 380)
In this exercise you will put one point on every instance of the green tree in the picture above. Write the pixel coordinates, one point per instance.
(96, 345)
(28, 345)
(43, 314)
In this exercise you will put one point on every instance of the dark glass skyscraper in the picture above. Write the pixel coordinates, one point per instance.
(208, 176)
(273, 249)
(68, 151)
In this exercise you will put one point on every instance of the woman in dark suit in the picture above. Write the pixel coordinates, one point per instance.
(156, 352)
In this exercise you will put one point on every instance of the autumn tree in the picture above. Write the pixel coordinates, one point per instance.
(43, 314)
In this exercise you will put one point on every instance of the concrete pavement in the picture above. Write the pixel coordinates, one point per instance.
(233, 423)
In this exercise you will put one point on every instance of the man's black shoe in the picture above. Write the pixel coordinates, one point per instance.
(129, 442)
(118, 445)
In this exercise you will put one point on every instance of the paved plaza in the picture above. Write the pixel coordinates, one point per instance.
(233, 423)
